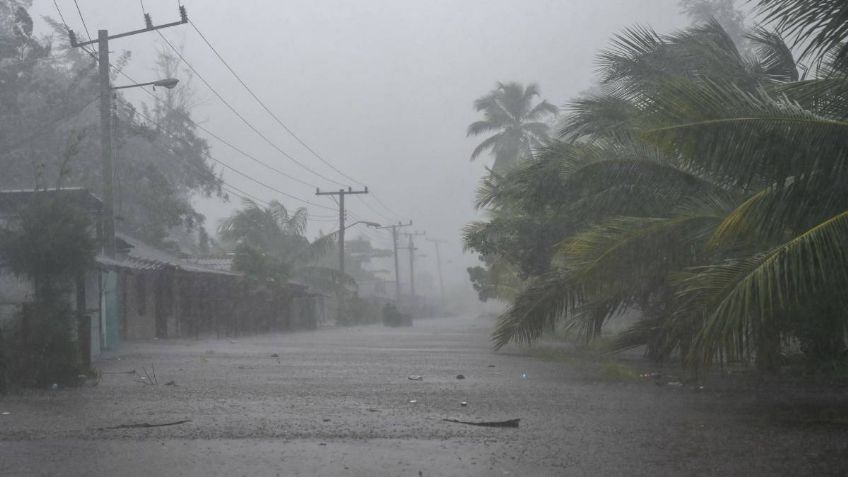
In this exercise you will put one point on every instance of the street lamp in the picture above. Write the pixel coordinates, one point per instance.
(106, 143)
(165, 83)
(367, 223)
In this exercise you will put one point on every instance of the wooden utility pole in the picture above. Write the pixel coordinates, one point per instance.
(395, 244)
(341, 193)
(412, 250)
(436, 243)
(102, 42)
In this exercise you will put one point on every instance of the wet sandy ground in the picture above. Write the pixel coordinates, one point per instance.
(337, 402)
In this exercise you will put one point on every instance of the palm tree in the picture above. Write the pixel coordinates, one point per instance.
(753, 249)
(270, 247)
(518, 124)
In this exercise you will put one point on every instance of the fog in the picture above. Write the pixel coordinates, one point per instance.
(382, 90)
(655, 274)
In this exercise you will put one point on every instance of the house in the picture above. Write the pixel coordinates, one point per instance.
(146, 293)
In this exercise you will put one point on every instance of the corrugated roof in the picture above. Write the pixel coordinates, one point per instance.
(143, 257)
(12, 199)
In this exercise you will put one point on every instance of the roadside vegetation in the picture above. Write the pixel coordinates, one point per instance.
(700, 182)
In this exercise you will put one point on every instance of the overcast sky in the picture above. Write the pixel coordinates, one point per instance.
(382, 89)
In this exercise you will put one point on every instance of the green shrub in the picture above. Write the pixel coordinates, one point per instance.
(40, 349)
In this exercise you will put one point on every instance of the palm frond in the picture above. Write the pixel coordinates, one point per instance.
(821, 25)
(489, 144)
(541, 110)
(741, 136)
(632, 254)
(790, 207)
(480, 127)
(745, 294)
(546, 299)
(774, 56)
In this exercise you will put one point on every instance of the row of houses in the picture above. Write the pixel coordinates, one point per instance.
(148, 293)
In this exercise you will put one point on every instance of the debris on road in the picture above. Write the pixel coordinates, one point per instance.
(413, 401)
(507, 423)
(149, 378)
(491, 365)
(275, 355)
(144, 425)
(460, 376)
(415, 377)
(464, 403)
(5, 413)
(171, 383)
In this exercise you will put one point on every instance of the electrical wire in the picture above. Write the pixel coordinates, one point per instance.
(224, 141)
(239, 115)
(372, 209)
(229, 167)
(82, 20)
(279, 121)
(267, 109)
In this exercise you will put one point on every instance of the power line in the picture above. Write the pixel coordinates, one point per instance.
(278, 120)
(375, 210)
(231, 168)
(82, 20)
(267, 109)
(222, 140)
(387, 207)
(242, 118)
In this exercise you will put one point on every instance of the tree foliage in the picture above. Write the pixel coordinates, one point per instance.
(518, 124)
(49, 92)
(698, 184)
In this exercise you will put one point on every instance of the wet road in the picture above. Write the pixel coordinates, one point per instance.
(338, 402)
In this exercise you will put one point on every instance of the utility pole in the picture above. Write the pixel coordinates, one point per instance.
(341, 193)
(412, 250)
(436, 242)
(102, 42)
(395, 244)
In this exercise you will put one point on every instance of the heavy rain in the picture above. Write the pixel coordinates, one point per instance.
(433, 238)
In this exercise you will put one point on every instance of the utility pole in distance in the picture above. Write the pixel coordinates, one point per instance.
(102, 42)
(412, 250)
(436, 243)
(395, 244)
(341, 193)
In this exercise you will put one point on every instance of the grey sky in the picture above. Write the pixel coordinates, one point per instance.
(381, 88)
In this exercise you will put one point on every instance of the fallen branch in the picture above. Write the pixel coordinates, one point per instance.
(507, 423)
(144, 425)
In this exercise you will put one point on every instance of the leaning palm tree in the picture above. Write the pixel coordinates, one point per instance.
(518, 124)
(744, 274)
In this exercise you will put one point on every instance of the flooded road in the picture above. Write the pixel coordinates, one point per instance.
(340, 402)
